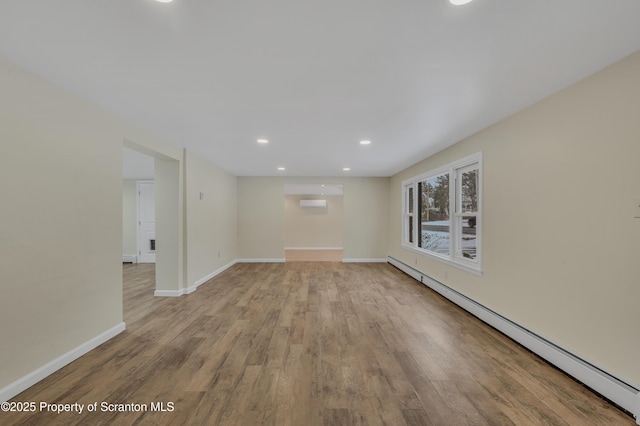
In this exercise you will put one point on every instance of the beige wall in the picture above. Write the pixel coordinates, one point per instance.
(169, 226)
(61, 210)
(561, 246)
(260, 218)
(211, 221)
(129, 217)
(313, 227)
(261, 224)
(366, 213)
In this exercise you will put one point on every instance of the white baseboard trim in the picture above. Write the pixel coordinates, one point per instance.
(35, 376)
(194, 287)
(211, 275)
(616, 390)
(189, 290)
(129, 258)
(314, 248)
(169, 293)
(265, 260)
(359, 260)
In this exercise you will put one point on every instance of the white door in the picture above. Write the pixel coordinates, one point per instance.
(146, 222)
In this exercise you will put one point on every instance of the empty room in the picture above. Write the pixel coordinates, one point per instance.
(319, 213)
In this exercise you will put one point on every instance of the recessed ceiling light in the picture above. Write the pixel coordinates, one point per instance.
(263, 141)
(346, 169)
(365, 142)
(281, 168)
(459, 2)
(164, 1)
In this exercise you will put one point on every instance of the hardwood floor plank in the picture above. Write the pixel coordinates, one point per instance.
(416, 417)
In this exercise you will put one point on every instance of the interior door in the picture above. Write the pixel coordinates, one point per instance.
(146, 222)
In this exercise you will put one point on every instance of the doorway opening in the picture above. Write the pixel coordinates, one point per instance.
(138, 207)
(151, 224)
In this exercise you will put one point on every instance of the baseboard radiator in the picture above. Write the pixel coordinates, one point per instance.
(129, 258)
(612, 388)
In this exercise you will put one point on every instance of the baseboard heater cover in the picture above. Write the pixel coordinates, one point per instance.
(612, 388)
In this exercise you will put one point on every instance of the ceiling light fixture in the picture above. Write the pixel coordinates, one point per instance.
(164, 1)
(365, 142)
(346, 169)
(459, 2)
(281, 169)
(263, 141)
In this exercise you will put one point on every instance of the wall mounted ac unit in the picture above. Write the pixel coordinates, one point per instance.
(304, 204)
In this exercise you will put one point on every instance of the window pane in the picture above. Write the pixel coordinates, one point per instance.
(434, 214)
(469, 198)
(411, 199)
(468, 240)
(468, 204)
(411, 229)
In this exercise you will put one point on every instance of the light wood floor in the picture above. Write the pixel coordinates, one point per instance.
(312, 344)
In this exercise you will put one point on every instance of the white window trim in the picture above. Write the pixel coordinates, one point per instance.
(453, 169)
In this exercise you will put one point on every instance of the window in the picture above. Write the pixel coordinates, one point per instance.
(447, 222)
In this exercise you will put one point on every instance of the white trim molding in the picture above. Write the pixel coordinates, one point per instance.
(364, 260)
(212, 275)
(314, 248)
(265, 260)
(129, 258)
(612, 388)
(35, 376)
(169, 293)
(194, 287)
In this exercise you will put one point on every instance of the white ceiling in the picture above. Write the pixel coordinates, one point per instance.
(316, 77)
